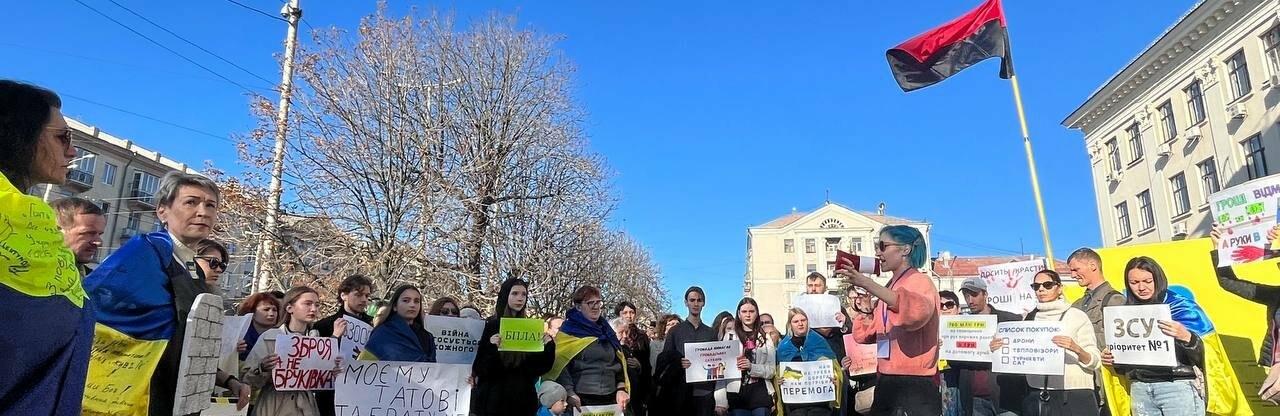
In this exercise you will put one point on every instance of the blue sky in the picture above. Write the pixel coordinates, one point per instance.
(714, 116)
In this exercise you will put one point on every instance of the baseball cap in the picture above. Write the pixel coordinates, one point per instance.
(974, 284)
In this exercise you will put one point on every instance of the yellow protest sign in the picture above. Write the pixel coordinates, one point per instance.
(120, 369)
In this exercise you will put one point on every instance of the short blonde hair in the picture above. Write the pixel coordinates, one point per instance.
(791, 314)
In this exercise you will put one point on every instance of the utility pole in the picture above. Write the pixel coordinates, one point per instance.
(262, 272)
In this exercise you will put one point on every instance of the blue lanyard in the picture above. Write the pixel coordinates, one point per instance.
(884, 310)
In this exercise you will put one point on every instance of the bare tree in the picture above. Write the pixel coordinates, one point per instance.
(446, 158)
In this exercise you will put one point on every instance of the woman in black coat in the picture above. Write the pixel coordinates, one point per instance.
(505, 380)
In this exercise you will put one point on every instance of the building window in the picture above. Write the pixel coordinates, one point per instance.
(145, 185)
(789, 246)
(1145, 209)
(108, 174)
(855, 245)
(1271, 45)
(1238, 75)
(810, 268)
(831, 245)
(1135, 142)
(86, 160)
(1113, 153)
(810, 246)
(1166, 120)
(791, 271)
(1181, 198)
(831, 268)
(1195, 102)
(1209, 178)
(134, 222)
(1122, 220)
(1254, 157)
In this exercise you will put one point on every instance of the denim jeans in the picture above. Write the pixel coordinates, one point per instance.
(1166, 398)
(951, 402)
(753, 412)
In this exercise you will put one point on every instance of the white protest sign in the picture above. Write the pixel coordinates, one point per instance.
(201, 348)
(456, 338)
(306, 363)
(712, 361)
(807, 381)
(354, 339)
(609, 410)
(233, 329)
(966, 337)
(1009, 285)
(402, 388)
(1028, 348)
(1245, 211)
(821, 309)
(1134, 336)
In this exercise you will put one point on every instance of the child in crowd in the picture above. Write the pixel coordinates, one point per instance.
(552, 396)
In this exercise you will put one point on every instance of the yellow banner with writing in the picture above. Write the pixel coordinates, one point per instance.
(33, 258)
(120, 368)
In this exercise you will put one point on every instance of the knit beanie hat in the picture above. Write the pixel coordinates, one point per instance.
(551, 392)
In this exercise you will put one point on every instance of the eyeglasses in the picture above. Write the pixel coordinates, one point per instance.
(948, 305)
(766, 322)
(594, 303)
(64, 135)
(214, 262)
(448, 312)
(881, 245)
(1046, 285)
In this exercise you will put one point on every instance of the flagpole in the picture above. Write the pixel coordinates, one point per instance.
(1031, 163)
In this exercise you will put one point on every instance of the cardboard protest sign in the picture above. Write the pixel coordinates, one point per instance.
(966, 337)
(355, 338)
(1134, 336)
(201, 349)
(306, 363)
(233, 329)
(821, 309)
(457, 339)
(1009, 285)
(863, 356)
(402, 388)
(1246, 212)
(807, 381)
(712, 361)
(609, 410)
(521, 334)
(1029, 349)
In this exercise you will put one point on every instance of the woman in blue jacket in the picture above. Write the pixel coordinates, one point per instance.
(805, 344)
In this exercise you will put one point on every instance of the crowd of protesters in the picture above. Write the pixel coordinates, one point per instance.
(145, 290)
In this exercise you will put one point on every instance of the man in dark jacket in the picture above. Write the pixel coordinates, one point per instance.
(353, 298)
(981, 392)
(697, 399)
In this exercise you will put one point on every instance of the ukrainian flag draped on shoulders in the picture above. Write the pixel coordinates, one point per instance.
(576, 334)
(47, 319)
(144, 294)
(815, 349)
(395, 340)
(1224, 396)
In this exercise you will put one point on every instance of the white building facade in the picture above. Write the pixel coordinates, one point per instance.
(1194, 113)
(783, 251)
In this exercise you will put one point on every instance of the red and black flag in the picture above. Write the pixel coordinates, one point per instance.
(933, 56)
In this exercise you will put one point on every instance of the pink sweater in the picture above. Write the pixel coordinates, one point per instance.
(912, 329)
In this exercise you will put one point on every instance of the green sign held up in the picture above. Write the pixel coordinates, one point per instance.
(520, 334)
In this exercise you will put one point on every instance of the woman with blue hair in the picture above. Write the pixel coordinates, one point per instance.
(903, 323)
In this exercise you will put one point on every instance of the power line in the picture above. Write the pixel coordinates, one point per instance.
(166, 30)
(972, 244)
(153, 41)
(135, 114)
(259, 11)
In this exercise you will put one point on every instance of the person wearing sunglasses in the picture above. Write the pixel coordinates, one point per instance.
(1073, 392)
(47, 324)
(903, 325)
(211, 258)
(445, 306)
(766, 325)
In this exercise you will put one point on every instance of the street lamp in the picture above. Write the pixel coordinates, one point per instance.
(70, 165)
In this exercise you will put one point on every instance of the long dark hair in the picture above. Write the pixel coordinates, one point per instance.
(500, 309)
(395, 299)
(1157, 277)
(719, 323)
(24, 111)
(755, 326)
